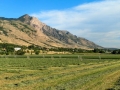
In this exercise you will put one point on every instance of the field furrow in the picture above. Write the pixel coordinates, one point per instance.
(58, 74)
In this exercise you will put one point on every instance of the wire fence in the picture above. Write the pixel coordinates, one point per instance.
(81, 57)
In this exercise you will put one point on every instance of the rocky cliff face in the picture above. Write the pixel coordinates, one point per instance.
(28, 30)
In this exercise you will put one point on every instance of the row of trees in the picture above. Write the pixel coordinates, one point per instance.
(71, 50)
(7, 49)
(116, 51)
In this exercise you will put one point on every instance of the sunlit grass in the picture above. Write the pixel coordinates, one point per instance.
(59, 74)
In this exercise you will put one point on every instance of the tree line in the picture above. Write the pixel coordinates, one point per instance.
(9, 49)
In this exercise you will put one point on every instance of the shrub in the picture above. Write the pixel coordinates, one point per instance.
(37, 52)
(20, 52)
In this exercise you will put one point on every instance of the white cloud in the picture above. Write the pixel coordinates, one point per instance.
(96, 21)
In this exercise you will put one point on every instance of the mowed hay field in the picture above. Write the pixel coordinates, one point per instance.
(59, 74)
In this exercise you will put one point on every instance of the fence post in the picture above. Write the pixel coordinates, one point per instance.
(60, 56)
(81, 58)
(43, 56)
(78, 60)
(15, 56)
(52, 57)
(6, 57)
(99, 57)
(28, 57)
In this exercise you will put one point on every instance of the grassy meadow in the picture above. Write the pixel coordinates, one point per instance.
(60, 72)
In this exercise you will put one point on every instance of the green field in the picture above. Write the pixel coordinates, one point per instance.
(60, 72)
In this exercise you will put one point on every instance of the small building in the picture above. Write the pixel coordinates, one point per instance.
(17, 48)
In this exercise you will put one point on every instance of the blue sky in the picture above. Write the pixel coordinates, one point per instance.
(95, 20)
(16, 8)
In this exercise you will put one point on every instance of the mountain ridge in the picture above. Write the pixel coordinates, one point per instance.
(30, 30)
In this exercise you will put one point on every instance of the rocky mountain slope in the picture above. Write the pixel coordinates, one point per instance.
(27, 30)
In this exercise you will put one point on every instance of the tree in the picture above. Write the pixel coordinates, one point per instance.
(37, 52)
(96, 50)
(20, 52)
(7, 53)
(119, 51)
(114, 52)
(101, 51)
(31, 47)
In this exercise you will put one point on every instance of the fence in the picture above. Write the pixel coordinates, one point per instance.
(81, 57)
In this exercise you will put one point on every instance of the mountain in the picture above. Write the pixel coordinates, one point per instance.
(27, 30)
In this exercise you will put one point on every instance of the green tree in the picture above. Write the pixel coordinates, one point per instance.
(20, 52)
(96, 50)
(114, 52)
(37, 52)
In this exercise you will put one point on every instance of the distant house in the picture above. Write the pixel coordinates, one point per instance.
(17, 48)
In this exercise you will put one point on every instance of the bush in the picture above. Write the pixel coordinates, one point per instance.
(37, 52)
(20, 52)
(1, 53)
(7, 53)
